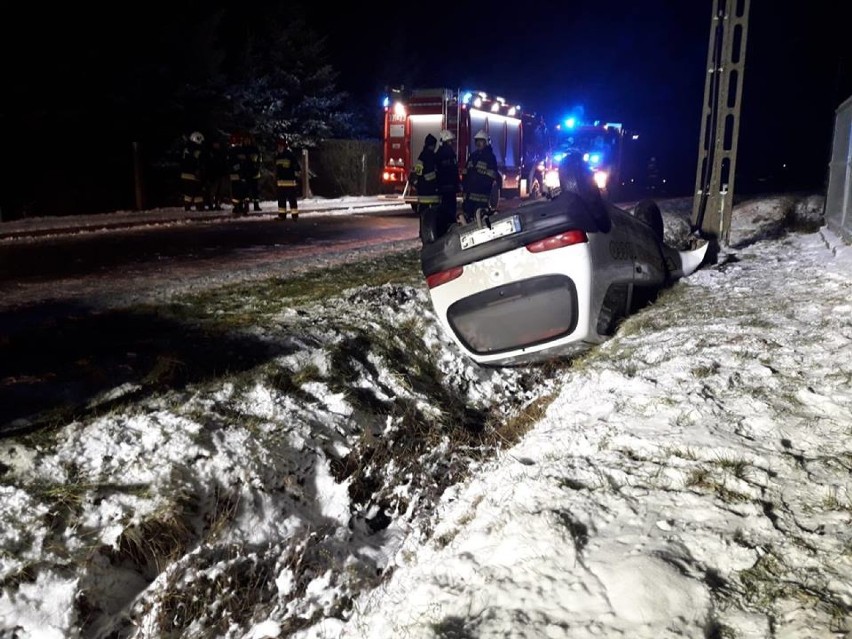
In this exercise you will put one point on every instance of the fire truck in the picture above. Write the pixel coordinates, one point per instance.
(410, 115)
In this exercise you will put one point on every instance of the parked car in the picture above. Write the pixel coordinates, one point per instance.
(550, 278)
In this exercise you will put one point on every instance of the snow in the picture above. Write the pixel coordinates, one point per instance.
(690, 477)
(45, 226)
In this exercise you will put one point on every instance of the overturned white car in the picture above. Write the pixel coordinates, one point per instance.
(552, 277)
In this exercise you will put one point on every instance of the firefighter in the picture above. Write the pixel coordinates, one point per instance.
(192, 172)
(425, 181)
(237, 165)
(216, 176)
(479, 177)
(447, 170)
(253, 166)
(288, 171)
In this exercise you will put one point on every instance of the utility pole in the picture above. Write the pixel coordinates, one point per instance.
(720, 119)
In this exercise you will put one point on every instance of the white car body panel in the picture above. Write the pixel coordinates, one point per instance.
(512, 306)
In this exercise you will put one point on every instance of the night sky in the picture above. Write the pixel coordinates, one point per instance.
(639, 62)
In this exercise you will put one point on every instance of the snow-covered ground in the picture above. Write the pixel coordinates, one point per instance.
(688, 478)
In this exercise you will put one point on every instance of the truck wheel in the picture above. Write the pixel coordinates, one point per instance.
(535, 189)
(536, 182)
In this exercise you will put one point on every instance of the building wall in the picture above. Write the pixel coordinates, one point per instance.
(838, 200)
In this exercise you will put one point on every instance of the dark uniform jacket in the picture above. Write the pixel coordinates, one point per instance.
(447, 169)
(253, 162)
(192, 162)
(480, 174)
(424, 174)
(287, 168)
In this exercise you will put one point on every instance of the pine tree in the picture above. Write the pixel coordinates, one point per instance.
(281, 82)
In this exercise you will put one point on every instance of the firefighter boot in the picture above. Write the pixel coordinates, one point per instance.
(256, 206)
(295, 215)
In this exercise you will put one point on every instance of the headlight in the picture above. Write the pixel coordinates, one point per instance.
(551, 179)
(600, 179)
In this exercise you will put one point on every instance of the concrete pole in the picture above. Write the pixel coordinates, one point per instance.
(720, 120)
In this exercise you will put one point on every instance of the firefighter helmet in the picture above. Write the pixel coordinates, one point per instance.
(481, 135)
(196, 137)
(447, 136)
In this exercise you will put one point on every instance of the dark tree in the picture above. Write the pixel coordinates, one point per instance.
(280, 82)
(87, 87)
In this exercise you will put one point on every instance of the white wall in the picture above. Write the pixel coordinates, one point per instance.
(838, 199)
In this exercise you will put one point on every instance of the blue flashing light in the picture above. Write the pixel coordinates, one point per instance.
(467, 97)
(557, 157)
(570, 122)
(386, 102)
(595, 158)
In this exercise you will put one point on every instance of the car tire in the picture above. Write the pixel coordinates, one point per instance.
(648, 211)
(575, 176)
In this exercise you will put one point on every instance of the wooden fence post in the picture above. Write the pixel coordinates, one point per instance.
(306, 172)
(137, 177)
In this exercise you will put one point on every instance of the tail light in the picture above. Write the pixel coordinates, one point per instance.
(436, 279)
(567, 238)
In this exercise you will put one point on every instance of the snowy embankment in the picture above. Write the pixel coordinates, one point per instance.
(689, 477)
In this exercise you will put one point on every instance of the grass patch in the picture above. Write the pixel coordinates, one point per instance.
(246, 303)
(739, 468)
(157, 541)
(703, 371)
(684, 453)
(511, 430)
(62, 363)
(705, 480)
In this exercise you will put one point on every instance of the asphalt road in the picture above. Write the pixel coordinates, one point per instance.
(129, 260)
(72, 317)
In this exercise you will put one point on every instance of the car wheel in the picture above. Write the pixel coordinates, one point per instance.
(613, 309)
(575, 176)
(649, 212)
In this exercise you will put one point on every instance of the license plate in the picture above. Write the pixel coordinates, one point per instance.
(498, 229)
